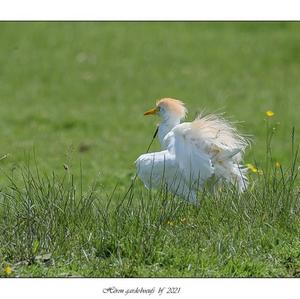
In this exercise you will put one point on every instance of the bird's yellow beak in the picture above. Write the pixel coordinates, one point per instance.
(152, 111)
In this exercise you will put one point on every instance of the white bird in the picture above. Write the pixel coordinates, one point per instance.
(206, 149)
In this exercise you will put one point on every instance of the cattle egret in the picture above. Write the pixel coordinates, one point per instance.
(206, 149)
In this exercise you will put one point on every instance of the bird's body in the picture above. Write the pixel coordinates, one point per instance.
(192, 152)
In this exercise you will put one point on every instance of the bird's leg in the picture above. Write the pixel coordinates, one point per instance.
(190, 195)
(192, 198)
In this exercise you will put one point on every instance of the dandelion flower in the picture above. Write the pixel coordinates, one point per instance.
(8, 270)
(252, 168)
(270, 113)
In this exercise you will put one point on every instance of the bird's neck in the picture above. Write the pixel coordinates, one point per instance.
(164, 128)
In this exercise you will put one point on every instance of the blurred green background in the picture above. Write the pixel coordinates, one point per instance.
(75, 92)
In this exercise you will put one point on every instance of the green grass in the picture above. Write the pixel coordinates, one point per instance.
(49, 227)
(74, 94)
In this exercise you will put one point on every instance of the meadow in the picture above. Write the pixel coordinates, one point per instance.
(72, 125)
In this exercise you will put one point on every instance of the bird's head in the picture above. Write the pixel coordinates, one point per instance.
(169, 109)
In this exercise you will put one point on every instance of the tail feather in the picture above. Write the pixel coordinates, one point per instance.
(232, 173)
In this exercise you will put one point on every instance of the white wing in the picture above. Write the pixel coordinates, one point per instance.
(194, 162)
(207, 146)
(161, 168)
(153, 168)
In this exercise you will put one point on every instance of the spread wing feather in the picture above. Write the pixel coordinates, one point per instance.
(210, 146)
(194, 163)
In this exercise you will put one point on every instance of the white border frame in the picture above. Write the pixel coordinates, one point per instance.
(149, 10)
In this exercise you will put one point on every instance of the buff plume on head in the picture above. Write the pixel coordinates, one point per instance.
(169, 109)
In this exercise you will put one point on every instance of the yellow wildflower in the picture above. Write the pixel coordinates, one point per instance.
(270, 113)
(8, 270)
(252, 168)
(277, 164)
(170, 222)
